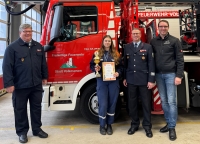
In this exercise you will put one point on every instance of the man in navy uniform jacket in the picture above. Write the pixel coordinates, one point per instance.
(139, 77)
(24, 72)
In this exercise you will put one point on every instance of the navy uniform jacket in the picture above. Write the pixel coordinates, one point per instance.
(118, 68)
(24, 67)
(139, 64)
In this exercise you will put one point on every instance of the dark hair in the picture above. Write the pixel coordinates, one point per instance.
(113, 51)
(163, 21)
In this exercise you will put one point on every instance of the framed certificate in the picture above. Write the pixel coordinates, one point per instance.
(108, 71)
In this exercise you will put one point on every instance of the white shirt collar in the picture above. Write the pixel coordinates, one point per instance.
(138, 43)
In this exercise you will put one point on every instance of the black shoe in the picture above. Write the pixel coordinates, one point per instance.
(172, 134)
(109, 130)
(149, 133)
(23, 139)
(132, 130)
(164, 129)
(102, 130)
(41, 134)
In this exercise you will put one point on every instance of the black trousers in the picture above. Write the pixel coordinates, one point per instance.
(134, 92)
(20, 98)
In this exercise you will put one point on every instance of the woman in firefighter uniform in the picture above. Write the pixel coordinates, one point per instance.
(107, 91)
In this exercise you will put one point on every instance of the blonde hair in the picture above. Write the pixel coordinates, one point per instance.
(113, 52)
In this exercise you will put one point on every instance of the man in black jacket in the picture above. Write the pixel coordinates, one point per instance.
(139, 77)
(169, 72)
(24, 72)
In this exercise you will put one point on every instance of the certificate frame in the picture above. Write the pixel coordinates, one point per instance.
(108, 71)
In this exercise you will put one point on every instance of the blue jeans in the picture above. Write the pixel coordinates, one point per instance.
(167, 90)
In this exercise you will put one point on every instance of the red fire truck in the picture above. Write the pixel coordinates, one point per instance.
(73, 30)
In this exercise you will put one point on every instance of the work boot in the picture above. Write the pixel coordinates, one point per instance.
(172, 134)
(109, 129)
(164, 129)
(102, 130)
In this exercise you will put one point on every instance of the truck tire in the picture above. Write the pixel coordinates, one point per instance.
(89, 105)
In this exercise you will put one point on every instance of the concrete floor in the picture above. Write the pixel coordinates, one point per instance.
(70, 127)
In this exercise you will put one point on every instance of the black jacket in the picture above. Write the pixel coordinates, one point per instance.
(118, 68)
(168, 55)
(24, 67)
(139, 64)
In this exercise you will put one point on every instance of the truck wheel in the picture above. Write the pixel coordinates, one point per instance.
(89, 105)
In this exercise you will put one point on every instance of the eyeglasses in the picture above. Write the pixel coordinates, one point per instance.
(27, 31)
(135, 33)
(163, 26)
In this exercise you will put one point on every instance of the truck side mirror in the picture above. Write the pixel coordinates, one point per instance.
(55, 29)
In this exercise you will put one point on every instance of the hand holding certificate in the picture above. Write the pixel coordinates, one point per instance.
(108, 71)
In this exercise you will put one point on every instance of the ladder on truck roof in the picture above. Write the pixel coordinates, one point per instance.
(166, 2)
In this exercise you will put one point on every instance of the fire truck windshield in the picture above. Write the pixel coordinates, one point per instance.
(78, 21)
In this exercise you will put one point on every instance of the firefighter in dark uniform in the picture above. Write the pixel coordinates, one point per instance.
(24, 72)
(139, 77)
(107, 91)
